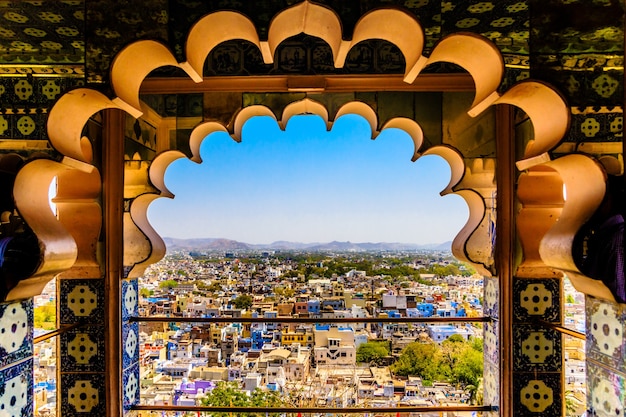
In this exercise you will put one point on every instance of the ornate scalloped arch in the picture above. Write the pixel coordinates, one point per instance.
(478, 56)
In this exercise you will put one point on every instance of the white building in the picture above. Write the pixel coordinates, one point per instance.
(334, 346)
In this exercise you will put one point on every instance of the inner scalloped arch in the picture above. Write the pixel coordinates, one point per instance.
(454, 159)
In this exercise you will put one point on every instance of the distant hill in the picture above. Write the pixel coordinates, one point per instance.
(228, 245)
(205, 244)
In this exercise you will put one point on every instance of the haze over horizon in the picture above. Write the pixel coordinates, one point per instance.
(307, 184)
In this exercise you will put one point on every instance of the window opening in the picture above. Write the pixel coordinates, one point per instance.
(254, 277)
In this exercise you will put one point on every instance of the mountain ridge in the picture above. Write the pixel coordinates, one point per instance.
(223, 244)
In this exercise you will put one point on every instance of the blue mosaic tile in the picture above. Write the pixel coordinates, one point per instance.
(491, 339)
(82, 394)
(491, 384)
(130, 386)
(16, 390)
(130, 298)
(605, 391)
(130, 344)
(537, 394)
(536, 349)
(605, 333)
(16, 331)
(534, 298)
(82, 350)
(491, 297)
(81, 300)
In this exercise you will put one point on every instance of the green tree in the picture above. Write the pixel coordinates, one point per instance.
(45, 316)
(372, 352)
(228, 394)
(286, 292)
(420, 359)
(145, 293)
(463, 360)
(469, 368)
(215, 287)
(168, 284)
(243, 301)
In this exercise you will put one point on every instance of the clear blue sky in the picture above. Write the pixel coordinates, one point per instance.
(306, 184)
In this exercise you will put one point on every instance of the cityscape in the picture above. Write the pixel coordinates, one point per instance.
(285, 338)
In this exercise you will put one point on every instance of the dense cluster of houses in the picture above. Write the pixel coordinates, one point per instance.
(182, 361)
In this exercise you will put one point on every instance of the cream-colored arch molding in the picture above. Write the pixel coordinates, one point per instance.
(549, 114)
(66, 238)
(473, 244)
(480, 58)
(304, 17)
(67, 119)
(584, 186)
(210, 31)
(69, 237)
(129, 69)
(395, 26)
(557, 198)
(475, 54)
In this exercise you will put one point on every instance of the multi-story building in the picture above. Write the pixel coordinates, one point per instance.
(334, 346)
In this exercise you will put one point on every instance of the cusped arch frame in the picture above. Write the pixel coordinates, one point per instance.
(477, 55)
(307, 106)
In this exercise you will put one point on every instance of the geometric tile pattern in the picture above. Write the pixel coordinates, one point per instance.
(82, 350)
(130, 298)
(130, 386)
(605, 333)
(592, 123)
(536, 349)
(537, 298)
(16, 331)
(82, 393)
(606, 392)
(537, 394)
(81, 300)
(24, 105)
(82, 386)
(491, 343)
(490, 303)
(130, 344)
(16, 389)
(491, 384)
